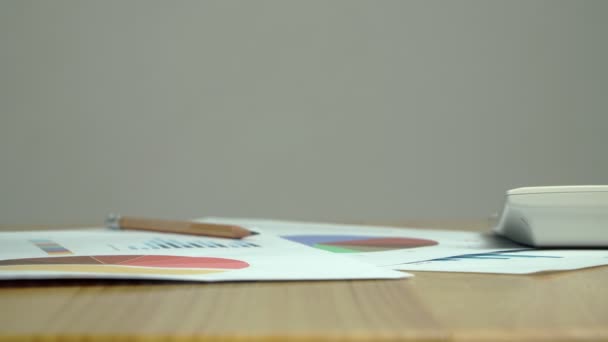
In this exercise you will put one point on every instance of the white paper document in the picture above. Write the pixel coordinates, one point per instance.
(412, 249)
(102, 253)
(381, 246)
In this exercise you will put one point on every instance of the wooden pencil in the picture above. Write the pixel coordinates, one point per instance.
(178, 227)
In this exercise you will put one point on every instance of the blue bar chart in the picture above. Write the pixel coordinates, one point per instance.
(166, 244)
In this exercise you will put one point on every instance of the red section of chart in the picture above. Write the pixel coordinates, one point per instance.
(184, 262)
(386, 242)
(162, 261)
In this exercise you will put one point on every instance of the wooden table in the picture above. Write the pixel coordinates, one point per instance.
(432, 306)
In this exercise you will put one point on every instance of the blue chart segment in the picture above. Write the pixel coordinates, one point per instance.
(505, 255)
(164, 244)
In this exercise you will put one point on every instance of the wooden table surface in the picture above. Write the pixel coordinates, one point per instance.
(432, 306)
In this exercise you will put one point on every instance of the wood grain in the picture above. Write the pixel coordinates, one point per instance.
(433, 306)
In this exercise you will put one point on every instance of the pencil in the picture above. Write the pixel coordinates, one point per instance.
(178, 227)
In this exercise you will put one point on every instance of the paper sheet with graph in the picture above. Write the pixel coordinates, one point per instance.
(512, 261)
(413, 249)
(381, 246)
(102, 253)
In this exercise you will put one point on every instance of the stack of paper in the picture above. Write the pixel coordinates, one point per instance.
(282, 250)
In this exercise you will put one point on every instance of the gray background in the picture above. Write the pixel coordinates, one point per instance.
(316, 110)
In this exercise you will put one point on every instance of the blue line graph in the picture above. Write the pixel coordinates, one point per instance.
(502, 255)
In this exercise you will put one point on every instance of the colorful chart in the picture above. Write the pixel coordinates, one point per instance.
(51, 247)
(357, 243)
(128, 264)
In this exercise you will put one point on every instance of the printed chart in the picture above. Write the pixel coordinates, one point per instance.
(358, 243)
(99, 253)
(166, 244)
(131, 264)
(504, 255)
(513, 261)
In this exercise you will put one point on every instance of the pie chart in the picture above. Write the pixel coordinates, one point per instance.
(358, 243)
(129, 264)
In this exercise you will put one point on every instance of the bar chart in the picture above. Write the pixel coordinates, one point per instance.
(169, 243)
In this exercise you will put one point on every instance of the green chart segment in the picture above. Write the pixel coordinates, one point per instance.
(358, 243)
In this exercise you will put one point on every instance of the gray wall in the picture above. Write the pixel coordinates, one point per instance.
(319, 110)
